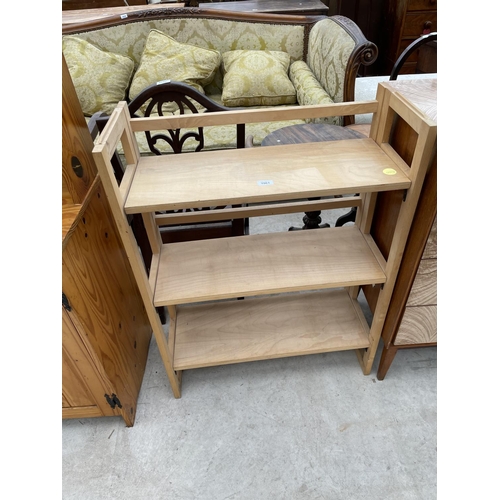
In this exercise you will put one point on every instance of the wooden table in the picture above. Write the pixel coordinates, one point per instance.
(310, 132)
(98, 4)
(86, 14)
(294, 7)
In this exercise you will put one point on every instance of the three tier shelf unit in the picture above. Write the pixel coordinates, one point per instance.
(299, 289)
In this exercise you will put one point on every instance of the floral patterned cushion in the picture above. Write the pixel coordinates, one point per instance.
(256, 78)
(165, 58)
(100, 78)
(324, 59)
(129, 39)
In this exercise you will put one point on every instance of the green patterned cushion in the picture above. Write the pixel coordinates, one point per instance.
(166, 59)
(100, 78)
(310, 91)
(257, 78)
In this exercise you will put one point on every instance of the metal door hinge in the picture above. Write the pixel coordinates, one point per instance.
(113, 401)
(65, 303)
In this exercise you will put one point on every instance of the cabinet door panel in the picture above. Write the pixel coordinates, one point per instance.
(82, 388)
(74, 389)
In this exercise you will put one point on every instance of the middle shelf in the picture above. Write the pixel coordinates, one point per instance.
(260, 264)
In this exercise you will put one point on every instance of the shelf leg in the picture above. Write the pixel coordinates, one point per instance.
(172, 312)
(360, 353)
(168, 361)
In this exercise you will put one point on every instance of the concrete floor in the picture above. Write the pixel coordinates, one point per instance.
(308, 427)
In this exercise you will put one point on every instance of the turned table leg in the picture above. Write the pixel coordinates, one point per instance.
(310, 132)
(311, 220)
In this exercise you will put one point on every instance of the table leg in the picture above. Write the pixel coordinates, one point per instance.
(310, 132)
(348, 217)
(311, 220)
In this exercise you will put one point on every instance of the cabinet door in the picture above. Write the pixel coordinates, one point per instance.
(83, 390)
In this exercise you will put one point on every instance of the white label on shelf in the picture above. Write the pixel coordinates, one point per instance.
(265, 183)
(123, 16)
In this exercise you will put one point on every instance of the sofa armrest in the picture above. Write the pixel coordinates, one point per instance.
(337, 48)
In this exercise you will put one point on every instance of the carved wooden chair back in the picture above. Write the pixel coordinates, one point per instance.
(169, 96)
(163, 98)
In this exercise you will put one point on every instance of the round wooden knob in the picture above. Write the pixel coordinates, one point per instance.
(427, 28)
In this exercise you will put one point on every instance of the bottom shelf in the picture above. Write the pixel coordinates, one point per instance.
(268, 327)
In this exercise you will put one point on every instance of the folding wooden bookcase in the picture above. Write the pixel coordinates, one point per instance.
(300, 288)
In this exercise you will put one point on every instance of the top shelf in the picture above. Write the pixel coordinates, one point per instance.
(255, 175)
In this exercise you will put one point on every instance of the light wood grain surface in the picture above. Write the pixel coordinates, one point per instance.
(268, 327)
(264, 263)
(419, 326)
(255, 175)
(424, 289)
(420, 92)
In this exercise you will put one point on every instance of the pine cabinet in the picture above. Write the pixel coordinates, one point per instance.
(105, 331)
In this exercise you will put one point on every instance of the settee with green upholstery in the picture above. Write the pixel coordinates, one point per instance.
(235, 59)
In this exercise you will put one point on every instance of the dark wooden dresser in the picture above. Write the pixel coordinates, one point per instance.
(403, 22)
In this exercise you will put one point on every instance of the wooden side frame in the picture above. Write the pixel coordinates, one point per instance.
(392, 105)
(118, 129)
